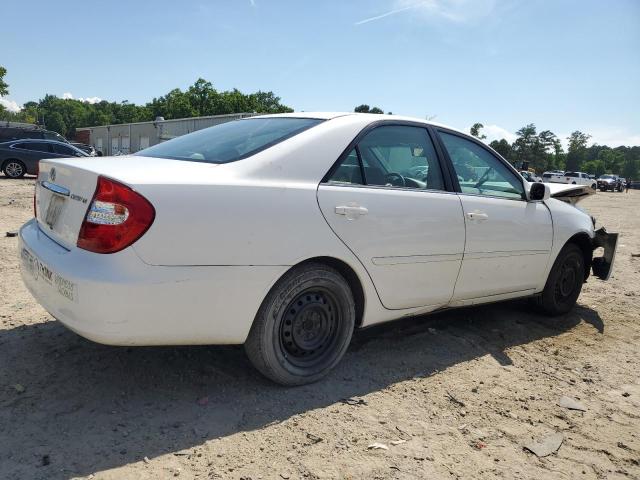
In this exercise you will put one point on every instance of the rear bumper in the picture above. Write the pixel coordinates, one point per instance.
(603, 266)
(119, 300)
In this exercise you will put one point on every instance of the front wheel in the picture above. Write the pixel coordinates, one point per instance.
(14, 169)
(303, 327)
(564, 283)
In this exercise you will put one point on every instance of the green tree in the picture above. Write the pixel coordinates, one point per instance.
(594, 167)
(364, 108)
(475, 131)
(576, 153)
(4, 87)
(503, 147)
(56, 123)
(527, 149)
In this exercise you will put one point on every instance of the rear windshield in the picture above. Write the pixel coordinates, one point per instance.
(230, 141)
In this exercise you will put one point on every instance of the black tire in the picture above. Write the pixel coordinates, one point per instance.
(14, 169)
(564, 283)
(303, 327)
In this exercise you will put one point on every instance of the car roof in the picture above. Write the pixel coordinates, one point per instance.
(366, 117)
(38, 140)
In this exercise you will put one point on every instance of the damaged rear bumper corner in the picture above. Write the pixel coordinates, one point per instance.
(603, 266)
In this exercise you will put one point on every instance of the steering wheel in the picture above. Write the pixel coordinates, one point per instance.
(395, 179)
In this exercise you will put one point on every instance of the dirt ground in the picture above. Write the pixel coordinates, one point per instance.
(452, 395)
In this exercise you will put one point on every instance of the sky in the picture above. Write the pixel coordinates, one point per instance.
(564, 65)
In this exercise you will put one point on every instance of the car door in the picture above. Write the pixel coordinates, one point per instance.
(31, 152)
(389, 201)
(508, 238)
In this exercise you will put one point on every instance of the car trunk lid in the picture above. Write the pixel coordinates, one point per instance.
(63, 193)
(65, 187)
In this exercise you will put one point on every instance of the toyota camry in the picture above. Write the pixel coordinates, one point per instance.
(286, 232)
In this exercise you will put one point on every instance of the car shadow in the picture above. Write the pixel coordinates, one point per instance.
(27, 176)
(70, 407)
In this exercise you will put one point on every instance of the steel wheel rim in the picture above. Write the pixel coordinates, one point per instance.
(13, 169)
(310, 327)
(566, 284)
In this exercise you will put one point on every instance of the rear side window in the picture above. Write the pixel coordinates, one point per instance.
(392, 156)
(230, 141)
(349, 170)
(37, 146)
(7, 134)
(29, 134)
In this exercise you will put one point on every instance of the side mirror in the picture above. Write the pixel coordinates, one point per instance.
(539, 191)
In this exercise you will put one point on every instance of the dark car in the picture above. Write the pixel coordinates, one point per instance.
(18, 157)
(610, 182)
(88, 149)
(19, 133)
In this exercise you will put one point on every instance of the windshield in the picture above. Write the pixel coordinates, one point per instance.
(230, 141)
(606, 177)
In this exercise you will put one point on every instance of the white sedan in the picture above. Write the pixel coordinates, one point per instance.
(286, 232)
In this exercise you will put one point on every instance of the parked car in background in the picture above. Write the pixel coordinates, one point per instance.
(18, 133)
(610, 182)
(88, 149)
(579, 178)
(19, 157)
(190, 241)
(530, 177)
(553, 176)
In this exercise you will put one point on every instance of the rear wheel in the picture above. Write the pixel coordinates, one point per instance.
(303, 327)
(564, 283)
(14, 169)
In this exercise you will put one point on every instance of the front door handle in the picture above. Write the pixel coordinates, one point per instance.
(351, 211)
(479, 216)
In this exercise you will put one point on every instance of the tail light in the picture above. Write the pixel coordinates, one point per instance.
(117, 217)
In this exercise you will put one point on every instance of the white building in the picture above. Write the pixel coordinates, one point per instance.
(125, 138)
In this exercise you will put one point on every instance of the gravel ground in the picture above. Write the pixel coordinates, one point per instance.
(452, 395)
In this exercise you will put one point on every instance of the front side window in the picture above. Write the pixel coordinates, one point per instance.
(393, 156)
(64, 150)
(54, 136)
(479, 172)
(230, 141)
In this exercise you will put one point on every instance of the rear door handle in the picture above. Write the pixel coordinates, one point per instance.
(479, 216)
(351, 211)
